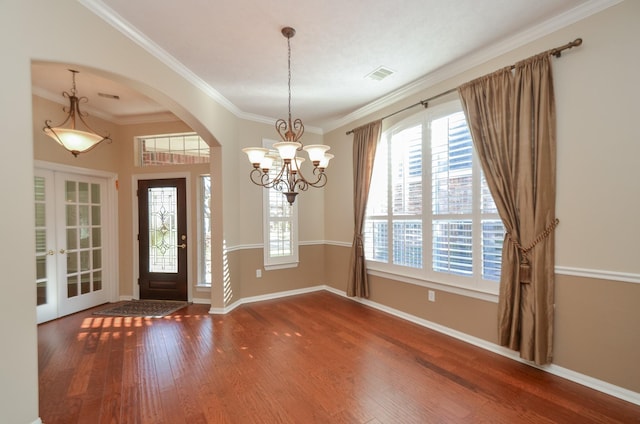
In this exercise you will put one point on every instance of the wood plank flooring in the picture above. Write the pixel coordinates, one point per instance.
(314, 358)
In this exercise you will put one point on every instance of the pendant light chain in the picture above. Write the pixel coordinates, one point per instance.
(289, 80)
(288, 179)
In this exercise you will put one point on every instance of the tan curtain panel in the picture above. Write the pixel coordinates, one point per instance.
(511, 115)
(365, 143)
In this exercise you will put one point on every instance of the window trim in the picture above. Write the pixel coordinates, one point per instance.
(474, 286)
(280, 262)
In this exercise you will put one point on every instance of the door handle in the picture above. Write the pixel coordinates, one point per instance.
(51, 252)
(182, 246)
(62, 251)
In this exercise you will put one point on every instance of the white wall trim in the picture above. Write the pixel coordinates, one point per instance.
(38, 421)
(104, 12)
(472, 60)
(600, 274)
(270, 296)
(576, 377)
(627, 277)
(576, 14)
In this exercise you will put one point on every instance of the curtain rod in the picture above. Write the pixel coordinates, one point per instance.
(557, 52)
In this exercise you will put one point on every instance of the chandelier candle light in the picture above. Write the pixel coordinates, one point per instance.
(71, 138)
(290, 175)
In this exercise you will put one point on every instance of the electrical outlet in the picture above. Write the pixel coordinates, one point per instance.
(432, 296)
(258, 273)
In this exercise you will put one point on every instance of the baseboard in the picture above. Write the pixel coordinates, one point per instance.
(270, 296)
(576, 377)
(201, 301)
(38, 421)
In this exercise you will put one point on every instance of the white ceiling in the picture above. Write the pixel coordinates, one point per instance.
(235, 49)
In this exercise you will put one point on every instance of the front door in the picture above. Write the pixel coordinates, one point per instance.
(162, 239)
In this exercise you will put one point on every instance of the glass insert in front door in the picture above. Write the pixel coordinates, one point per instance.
(163, 232)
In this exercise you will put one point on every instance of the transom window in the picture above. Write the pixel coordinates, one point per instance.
(430, 215)
(172, 149)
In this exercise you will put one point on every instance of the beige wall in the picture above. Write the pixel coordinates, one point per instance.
(309, 273)
(597, 318)
(597, 181)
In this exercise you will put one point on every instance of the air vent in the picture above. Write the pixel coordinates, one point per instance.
(109, 96)
(380, 74)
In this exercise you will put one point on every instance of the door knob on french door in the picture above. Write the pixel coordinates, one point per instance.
(51, 252)
(62, 251)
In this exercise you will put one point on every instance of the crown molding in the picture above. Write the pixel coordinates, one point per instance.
(481, 56)
(442, 74)
(118, 22)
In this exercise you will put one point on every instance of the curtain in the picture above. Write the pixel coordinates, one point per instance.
(511, 116)
(365, 143)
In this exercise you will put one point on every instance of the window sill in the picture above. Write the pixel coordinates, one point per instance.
(281, 266)
(203, 287)
(445, 287)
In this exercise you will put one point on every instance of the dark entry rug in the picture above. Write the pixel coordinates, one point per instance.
(142, 308)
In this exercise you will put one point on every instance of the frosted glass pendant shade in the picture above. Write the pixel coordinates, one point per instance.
(316, 152)
(255, 154)
(74, 141)
(325, 160)
(267, 161)
(295, 164)
(287, 150)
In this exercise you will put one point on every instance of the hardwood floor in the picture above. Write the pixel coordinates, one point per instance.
(315, 358)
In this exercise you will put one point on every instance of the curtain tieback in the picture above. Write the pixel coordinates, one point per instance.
(525, 267)
(359, 243)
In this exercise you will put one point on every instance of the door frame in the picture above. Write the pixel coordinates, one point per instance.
(134, 236)
(110, 261)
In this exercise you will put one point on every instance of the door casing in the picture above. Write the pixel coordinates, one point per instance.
(110, 208)
(134, 236)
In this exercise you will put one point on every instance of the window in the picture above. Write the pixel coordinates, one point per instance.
(204, 232)
(172, 149)
(280, 224)
(430, 215)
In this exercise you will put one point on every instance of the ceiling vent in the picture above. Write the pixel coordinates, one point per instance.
(380, 74)
(109, 96)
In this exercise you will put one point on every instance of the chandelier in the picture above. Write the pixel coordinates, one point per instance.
(289, 177)
(71, 138)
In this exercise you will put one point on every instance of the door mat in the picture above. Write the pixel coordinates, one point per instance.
(142, 308)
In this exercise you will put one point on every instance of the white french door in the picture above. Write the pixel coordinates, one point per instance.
(72, 243)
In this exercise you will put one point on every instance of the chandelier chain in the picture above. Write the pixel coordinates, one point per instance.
(289, 79)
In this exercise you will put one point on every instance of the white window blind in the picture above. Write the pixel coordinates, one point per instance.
(442, 224)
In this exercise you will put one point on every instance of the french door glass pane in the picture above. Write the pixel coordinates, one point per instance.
(163, 232)
(41, 240)
(84, 237)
